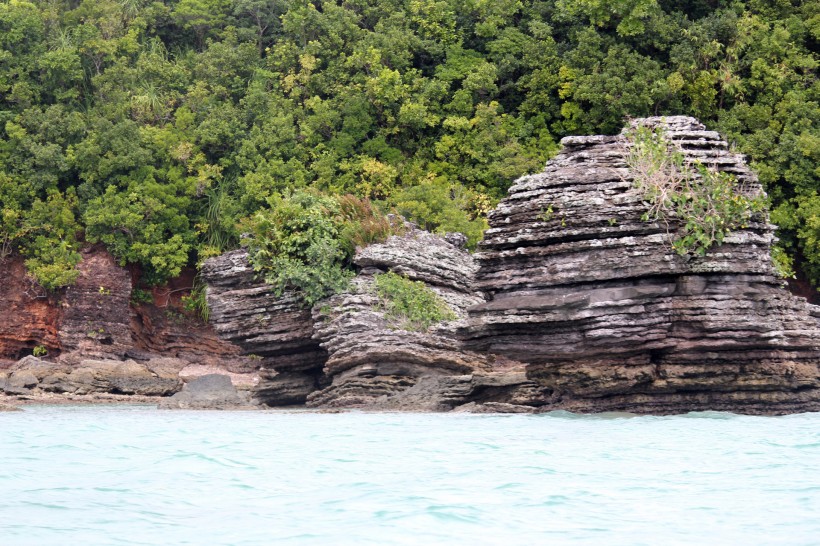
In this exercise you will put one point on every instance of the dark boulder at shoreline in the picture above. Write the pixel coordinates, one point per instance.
(209, 392)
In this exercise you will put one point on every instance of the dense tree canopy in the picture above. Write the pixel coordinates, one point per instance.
(156, 127)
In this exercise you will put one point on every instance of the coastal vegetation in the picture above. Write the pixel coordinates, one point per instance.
(412, 305)
(167, 129)
(708, 203)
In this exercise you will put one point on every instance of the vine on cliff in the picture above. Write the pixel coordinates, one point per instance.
(706, 203)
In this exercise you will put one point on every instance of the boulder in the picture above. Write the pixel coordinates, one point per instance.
(28, 373)
(212, 392)
(110, 376)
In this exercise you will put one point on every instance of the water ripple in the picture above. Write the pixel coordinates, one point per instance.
(85, 475)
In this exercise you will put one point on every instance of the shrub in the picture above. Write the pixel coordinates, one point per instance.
(440, 207)
(411, 303)
(48, 240)
(196, 302)
(306, 241)
(707, 204)
(138, 295)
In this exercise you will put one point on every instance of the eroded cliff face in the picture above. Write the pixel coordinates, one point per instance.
(94, 341)
(608, 317)
(28, 317)
(345, 353)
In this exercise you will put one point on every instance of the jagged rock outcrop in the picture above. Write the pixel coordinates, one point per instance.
(346, 352)
(370, 359)
(608, 317)
(278, 330)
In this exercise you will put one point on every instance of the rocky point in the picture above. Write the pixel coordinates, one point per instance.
(573, 301)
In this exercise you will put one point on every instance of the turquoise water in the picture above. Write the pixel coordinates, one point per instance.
(135, 475)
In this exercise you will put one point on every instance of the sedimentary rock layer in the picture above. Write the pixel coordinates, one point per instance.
(95, 320)
(372, 359)
(608, 317)
(93, 340)
(277, 330)
(28, 317)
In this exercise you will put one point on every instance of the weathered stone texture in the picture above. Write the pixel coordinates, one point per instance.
(211, 392)
(95, 319)
(28, 316)
(278, 330)
(608, 317)
(373, 361)
(32, 374)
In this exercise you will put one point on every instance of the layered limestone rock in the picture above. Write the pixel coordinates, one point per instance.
(345, 352)
(275, 330)
(372, 360)
(608, 317)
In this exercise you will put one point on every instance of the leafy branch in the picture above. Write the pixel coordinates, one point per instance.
(702, 203)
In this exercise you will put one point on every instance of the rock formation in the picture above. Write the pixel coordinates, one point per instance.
(573, 301)
(608, 317)
(212, 391)
(372, 361)
(94, 340)
(28, 316)
(275, 330)
(32, 374)
(345, 352)
(95, 313)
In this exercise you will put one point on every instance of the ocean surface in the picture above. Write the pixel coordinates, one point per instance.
(136, 475)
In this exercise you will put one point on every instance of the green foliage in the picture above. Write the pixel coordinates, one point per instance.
(139, 296)
(783, 264)
(39, 351)
(170, 121)
(439, 207)
(546, 214)
(196, 302)
(412, 304)
(304, 241)
(706, 203)
(144, 224)
(46, 234)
